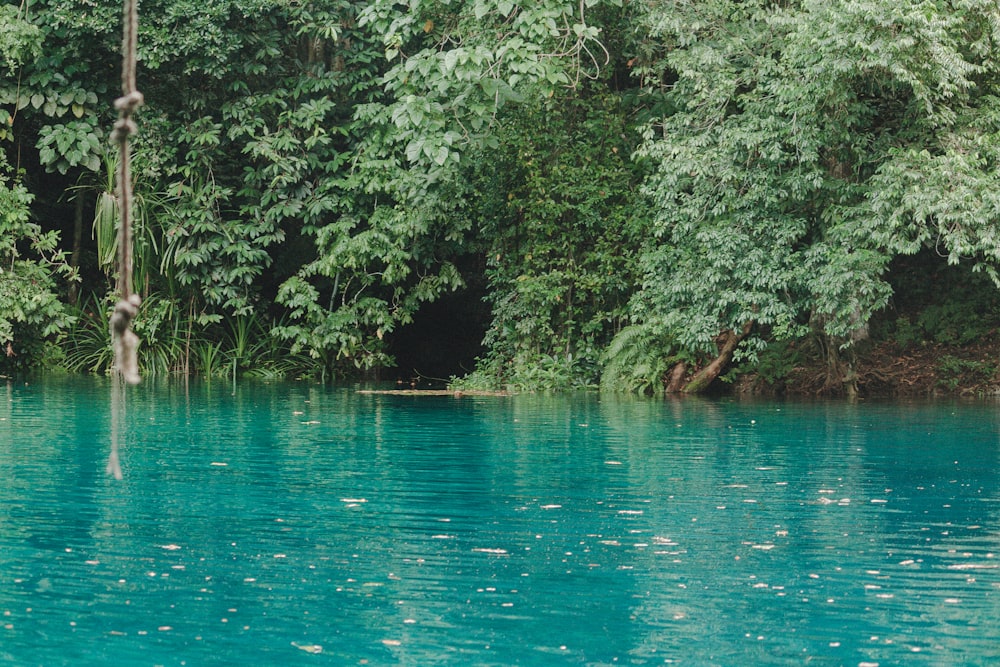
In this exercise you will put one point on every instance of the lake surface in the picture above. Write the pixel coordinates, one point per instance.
(295, 524)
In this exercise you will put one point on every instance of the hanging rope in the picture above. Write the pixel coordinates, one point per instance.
(123, 339)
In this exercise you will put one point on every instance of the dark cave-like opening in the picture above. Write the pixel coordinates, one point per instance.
(443, 340)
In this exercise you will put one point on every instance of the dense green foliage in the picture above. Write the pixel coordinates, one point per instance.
(642, 194)
(809, 143)
(557, 215)
(30, 309)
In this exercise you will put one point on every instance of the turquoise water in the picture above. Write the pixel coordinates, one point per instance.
(297, 525)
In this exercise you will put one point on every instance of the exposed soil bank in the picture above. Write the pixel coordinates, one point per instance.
(887, 370)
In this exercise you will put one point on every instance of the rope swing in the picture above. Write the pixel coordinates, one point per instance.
(123, 339)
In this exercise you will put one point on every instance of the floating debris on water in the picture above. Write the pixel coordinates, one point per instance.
(308, 648)
(843, 502)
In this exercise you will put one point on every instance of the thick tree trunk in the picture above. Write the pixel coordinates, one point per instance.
(704, 377)
(676, 382)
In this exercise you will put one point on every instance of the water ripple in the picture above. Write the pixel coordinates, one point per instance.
(292, 523)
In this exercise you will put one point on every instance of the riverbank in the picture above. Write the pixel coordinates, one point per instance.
(888, 370)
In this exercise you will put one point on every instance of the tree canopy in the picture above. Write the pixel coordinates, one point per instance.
(641, 195)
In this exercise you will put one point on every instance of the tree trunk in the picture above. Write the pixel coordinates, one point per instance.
(676, 382)
(841, 370)
(703, 378)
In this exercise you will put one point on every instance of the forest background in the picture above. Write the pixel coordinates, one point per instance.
(646, 195)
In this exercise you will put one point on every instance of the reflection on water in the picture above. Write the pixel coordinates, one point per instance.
(292, 523)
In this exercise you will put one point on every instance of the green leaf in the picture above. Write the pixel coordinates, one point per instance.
(413, 150)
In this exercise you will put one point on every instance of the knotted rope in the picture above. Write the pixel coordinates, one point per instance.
(125, 342)
(123, 339)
